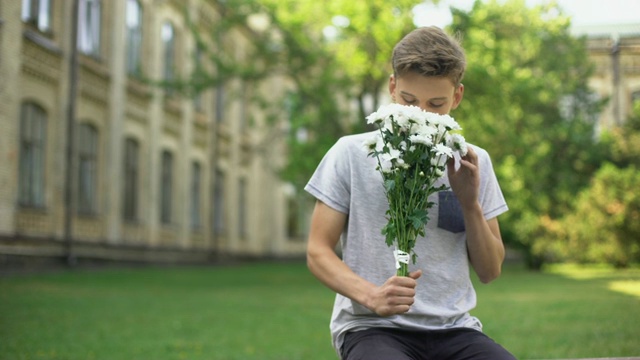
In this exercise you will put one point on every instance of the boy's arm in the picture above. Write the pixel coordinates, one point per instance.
(484, 242)
(395, 296)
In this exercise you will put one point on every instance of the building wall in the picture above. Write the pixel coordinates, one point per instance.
(9, 71)
(36, 66)
(615, 53)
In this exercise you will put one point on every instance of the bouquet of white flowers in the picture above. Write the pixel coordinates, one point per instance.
(412, 149)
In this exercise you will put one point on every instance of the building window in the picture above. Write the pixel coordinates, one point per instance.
(166, 187)
(134, 37)
(293, 218)
(87, 168)
(244, 111)
(33, 122)
(220, 98)
(130, 193)
(196, 193)
(89, 27)
(635, 96)
(242, 208)
(37, 13)
(218, 202)
(169, 44)
(197, 98)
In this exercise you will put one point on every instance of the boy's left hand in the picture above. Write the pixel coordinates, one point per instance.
(465, 181)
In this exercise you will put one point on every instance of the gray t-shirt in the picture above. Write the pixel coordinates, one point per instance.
(346, 180)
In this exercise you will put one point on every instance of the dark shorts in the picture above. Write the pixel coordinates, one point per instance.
(397, 344)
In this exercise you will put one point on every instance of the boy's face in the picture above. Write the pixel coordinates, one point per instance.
(433, 94)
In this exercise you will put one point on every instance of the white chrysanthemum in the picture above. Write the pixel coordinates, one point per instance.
(386, 166)
(403, 121)
(425, 130)
(439, 160)
(385, 112)
(450, 123)
(371, 142)
(457, 143)
(421, 139)
(374, 118)
(416, 114)
(445, 121)
(441, 149)
(432, 119)
(394, 153)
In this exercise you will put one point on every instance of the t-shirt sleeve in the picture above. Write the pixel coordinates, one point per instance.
(330, 183)
(492, 200)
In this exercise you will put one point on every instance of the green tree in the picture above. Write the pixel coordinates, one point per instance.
(623, 142)
(337, 54)
(605, 224)
(528, 103)
(334, 54)
(527, 98)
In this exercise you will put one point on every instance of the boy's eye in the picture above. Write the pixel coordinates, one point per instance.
(410, 102)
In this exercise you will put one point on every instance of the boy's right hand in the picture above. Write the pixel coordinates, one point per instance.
(395, 296)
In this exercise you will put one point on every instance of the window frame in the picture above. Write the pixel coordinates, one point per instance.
(134, 39)
(168, 52)
(32, 155)
(89, 27)
(195, 214)
(87, 171)
(219, 200)
(166, 186)
(37, 13)
(131, 185)
(243, 232)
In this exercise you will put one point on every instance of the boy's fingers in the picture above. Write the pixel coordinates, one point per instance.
(416, 274)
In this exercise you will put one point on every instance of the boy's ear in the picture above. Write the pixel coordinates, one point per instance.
(457, 96)
(392, 87)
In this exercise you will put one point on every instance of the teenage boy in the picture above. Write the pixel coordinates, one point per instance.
(378, 315)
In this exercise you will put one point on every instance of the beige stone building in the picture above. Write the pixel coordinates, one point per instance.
(160, 175)
(156, 174)
(615, 52)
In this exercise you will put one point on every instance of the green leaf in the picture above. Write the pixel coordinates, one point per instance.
(418, 218)
(389, 231)
(389, 185)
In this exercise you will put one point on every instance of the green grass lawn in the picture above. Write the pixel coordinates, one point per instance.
(564, 312)
(279, 311)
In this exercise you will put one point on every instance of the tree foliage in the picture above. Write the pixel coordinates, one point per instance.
(355, 38)
(605, 224)
(528, 102)
(334, 56)
(623, 142)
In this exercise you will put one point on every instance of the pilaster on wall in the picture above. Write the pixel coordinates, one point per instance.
(10, 43)
(114, 142)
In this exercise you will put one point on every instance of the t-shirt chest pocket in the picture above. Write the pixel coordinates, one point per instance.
(449, 212)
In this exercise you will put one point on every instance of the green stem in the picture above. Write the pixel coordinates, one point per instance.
(403, 270)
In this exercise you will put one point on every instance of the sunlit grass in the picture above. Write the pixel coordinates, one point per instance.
(629, 287)
(623, 278)
(567, 311)
(280, 312)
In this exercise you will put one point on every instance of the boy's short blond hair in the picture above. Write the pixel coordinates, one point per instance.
(429, 51)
